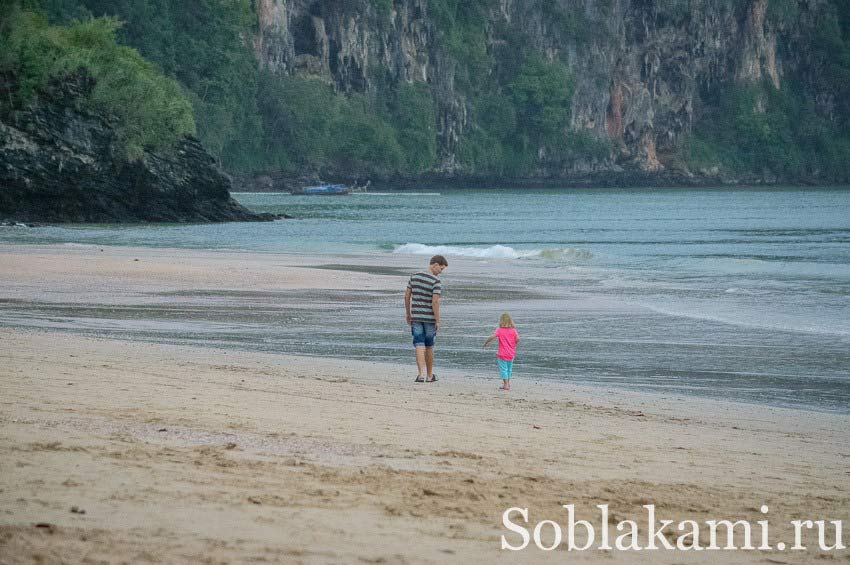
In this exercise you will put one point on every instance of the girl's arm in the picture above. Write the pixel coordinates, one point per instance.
(489, 339)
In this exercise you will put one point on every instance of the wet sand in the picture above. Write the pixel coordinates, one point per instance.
(180, 453)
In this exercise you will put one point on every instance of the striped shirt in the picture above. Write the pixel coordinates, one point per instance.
(423, 287)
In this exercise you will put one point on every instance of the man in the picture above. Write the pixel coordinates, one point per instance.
(422, 305)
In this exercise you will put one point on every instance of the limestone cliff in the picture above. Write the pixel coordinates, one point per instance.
(644, 69)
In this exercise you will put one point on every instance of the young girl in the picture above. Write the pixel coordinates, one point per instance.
(508, 339)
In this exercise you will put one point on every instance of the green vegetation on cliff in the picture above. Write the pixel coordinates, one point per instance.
(493, 94)
(461, 26)
(309, 127)
(251, 120)
(521, 106)
(201, 44)
(532, 112)
(151, 109)
(757, 128)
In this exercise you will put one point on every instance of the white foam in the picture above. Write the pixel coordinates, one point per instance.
(493, 252)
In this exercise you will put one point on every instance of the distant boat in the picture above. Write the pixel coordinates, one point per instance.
(327, 189)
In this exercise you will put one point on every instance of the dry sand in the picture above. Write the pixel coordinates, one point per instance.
(185, 454)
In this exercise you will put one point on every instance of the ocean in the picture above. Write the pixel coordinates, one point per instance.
(728, 293)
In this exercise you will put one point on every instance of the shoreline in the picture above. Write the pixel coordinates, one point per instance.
(279, 182)
(68, 276)
(670, 404)
(129, 450)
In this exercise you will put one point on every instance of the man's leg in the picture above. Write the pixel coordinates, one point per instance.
(429, 361)
(420, 361)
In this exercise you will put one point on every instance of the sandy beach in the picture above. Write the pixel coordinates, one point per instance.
(114, 450)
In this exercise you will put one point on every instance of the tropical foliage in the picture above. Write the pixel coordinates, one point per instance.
(150, 109)
(759, 128)
(165, 68)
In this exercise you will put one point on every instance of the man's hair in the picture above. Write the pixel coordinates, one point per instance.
(440, 260)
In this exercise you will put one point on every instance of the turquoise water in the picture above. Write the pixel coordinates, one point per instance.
(732, 293)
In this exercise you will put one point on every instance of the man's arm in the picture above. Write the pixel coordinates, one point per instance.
(435, 305)
(407, 294)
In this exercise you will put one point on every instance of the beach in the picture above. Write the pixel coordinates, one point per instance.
(147, 449)
(726, 294)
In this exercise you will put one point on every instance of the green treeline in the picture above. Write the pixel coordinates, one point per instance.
(309, 127)
(759, 128)
(202, 45)
(251, 120)
(520, 102)
(34, 52)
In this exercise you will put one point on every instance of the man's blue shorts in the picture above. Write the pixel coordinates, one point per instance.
(423, 333)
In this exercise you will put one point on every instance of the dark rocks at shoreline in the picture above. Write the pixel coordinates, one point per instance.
(279, 182)
(14, 224)
(62, 163)
(601, 180)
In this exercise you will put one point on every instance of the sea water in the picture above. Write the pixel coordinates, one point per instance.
(739, 294)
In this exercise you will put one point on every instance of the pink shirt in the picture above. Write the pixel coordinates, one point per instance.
(507, 343)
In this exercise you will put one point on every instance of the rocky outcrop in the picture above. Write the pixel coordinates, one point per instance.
(62, 163)
(643, 68)
(354, 47)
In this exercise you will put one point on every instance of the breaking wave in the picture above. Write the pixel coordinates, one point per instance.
(493, 252)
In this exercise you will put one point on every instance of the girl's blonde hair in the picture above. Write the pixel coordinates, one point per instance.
(505, 321)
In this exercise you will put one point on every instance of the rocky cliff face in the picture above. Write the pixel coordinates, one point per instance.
(643, 68)
(352, 45)
(61, 163)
